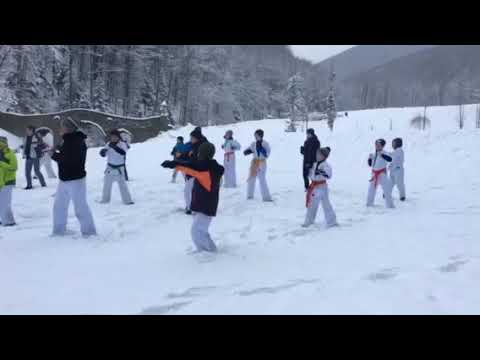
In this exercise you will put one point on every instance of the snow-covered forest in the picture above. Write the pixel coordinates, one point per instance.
(202, 84)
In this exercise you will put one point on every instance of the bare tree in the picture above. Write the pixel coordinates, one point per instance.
(477, 118)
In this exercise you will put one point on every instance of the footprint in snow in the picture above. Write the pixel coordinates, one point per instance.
(453, 266)
(165, 309)
(192, 292)
(382, 275)
(276, 289)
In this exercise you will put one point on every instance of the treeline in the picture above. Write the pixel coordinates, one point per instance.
(200, 84)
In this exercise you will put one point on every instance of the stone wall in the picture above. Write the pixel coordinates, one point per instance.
(142, 129)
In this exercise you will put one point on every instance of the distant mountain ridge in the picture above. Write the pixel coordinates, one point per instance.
(366, 57)
(440, 75)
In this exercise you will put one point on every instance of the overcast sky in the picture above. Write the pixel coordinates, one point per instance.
(318, 53)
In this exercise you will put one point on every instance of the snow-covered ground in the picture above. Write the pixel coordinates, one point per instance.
(421, 258)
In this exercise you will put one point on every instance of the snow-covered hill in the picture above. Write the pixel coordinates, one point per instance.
(421, 258)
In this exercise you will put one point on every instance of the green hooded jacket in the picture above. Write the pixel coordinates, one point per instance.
(8, 168)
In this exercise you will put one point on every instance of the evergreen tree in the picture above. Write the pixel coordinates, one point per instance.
(331, 105)
(296, 102)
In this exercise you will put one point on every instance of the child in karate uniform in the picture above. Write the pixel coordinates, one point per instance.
(396, 168)
(230, 146)
(317, 192)
(115, 152)
(379, 162)
(260, 150)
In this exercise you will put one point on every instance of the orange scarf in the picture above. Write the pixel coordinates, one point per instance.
(311, 188)
(376, 175)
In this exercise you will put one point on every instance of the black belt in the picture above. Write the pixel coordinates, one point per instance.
(116, 166)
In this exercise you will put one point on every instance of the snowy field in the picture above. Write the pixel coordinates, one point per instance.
(421, 258)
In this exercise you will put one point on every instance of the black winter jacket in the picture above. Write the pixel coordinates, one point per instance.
(206, 188)
(194, 151)
(309, 150)
(71, 157)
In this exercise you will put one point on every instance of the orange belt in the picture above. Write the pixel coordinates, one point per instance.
(228, 154)
(255, 165)
(376, 175)
(312, 187)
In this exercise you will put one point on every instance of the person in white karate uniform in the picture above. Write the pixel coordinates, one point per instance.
(379, 162)
(115, 151)
(318, 193)
(46, 159)
(397, 171)
(260, 149)
(229, 147)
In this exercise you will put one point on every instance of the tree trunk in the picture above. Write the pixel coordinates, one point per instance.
(70, 77)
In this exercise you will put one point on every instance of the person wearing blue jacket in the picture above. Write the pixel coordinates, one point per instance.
(177, 152)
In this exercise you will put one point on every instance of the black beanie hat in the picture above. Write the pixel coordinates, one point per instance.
(381, 141)
(310, 132)
(206, 151)
(398, 142)
(197, 133)
(180, 138)
(260, 133)
(115, 132)
(325, 151)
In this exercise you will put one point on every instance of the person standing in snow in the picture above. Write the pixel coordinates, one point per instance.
(70, 157)
(207, 174)
(32, 152)
(230, 146)
(8, 171)
(396, 168)
(378, 162)
(196, 140)
(260, 150)
(317, 191)
(176, 153)
(309, 152)
(126, 138)
(46, 159)
(115, 151)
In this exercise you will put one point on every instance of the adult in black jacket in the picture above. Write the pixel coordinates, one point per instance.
(309, 152)
(70, 157)
(32, 152)
(205, 195)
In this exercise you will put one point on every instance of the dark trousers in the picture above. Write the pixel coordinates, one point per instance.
(35, 163)
(306, 172)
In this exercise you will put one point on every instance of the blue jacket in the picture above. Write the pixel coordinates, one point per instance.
(183, 149)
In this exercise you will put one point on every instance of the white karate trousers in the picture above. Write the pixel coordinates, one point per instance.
(75, 190)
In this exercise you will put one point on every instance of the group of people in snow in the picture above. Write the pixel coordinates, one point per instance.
(70, 157)
(383, 162)
(203, 175)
